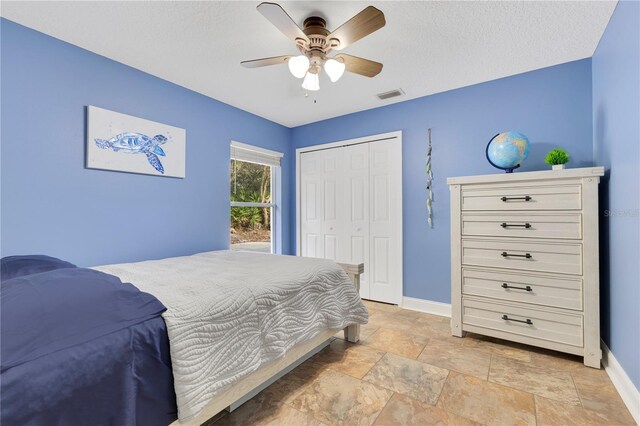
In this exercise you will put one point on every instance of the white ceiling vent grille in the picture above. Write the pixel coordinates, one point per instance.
(390, 94)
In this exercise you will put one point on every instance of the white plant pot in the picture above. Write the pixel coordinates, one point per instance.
(558, 167)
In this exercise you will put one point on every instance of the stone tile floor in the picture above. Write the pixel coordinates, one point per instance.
(408, 370)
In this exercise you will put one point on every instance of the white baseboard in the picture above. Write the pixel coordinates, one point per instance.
(622, 382)
(427, 306)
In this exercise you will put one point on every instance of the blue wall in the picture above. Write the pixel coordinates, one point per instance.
(616, 124)
(552, 106)
(51, 204)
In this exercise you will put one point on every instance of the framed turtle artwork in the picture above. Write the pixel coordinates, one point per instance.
(130, 144)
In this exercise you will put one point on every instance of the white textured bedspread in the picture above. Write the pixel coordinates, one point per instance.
(230, 312)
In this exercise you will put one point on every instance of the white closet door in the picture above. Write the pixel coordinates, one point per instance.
(351, 211)
(355, 210)
(311, 204)
(332, 217)
(321, 204)
(385, 223)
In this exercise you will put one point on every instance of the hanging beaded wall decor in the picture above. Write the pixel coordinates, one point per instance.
(429, 182)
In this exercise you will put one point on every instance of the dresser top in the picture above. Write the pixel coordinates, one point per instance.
(529, 176)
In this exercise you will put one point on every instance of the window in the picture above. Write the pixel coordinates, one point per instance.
(253, 180)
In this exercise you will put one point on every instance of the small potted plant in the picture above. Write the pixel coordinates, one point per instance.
(557, 158)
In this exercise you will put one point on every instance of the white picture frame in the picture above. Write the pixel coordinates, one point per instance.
(125, 143)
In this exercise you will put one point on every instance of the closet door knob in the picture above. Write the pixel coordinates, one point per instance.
(331, 228)
(358, 229)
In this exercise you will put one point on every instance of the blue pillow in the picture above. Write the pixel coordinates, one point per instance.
(20, 266)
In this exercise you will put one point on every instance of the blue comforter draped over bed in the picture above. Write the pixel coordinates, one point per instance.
(81, 347)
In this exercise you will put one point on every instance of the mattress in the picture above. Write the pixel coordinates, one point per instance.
(229, 312)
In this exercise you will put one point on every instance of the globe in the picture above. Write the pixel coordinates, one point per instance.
(507, 150)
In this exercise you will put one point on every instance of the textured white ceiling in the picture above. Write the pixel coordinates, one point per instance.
(426, 47)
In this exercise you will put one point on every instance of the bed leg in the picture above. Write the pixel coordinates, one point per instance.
(352, 333)
(353, 270)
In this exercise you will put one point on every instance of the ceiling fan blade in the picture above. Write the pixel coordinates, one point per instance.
(360, 66)
(278, 17)
(361, 25)
(263, 62)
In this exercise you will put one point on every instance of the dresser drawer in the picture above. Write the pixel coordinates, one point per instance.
(537, 324)
(547, 290)
(502, 197)
(526, 255)
(520, 224)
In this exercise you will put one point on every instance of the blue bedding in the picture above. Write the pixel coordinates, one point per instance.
(81, 347)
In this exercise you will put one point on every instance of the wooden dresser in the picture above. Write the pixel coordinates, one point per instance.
(524, 258)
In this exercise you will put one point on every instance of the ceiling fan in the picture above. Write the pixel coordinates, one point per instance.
(315, 42)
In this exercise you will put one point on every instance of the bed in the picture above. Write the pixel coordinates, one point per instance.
(239, 320)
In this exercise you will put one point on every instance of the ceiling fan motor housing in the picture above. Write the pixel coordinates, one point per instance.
(315, 28)
(315, 25)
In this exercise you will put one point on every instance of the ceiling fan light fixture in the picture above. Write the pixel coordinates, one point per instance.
(298, 65)
(311, 82)
(334, 69)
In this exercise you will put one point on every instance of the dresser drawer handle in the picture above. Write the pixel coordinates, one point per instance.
(527, 288)
(525, 198)
(518, 225)
(526, 255)
(528, 321)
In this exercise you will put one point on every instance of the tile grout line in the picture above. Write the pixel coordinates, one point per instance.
(451, 412)
(330, 367)
(371, 368)
(399, 332)
(375, 385)
(442, 390)
(535, 410)
(576, 388)
(301, 412)
(385, 406)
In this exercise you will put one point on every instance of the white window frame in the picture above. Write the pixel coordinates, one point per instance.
(264, 157)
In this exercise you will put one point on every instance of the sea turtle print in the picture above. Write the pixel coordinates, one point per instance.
(137, 143)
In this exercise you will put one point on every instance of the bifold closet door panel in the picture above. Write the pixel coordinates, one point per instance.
(332, 196)
(311, 176)
(355, 210)
(335, 206)
(385, 223)
(319, 204)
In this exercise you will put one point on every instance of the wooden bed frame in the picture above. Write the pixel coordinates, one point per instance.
(254, 383)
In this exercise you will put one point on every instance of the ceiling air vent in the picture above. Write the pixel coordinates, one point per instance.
(390, 94)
